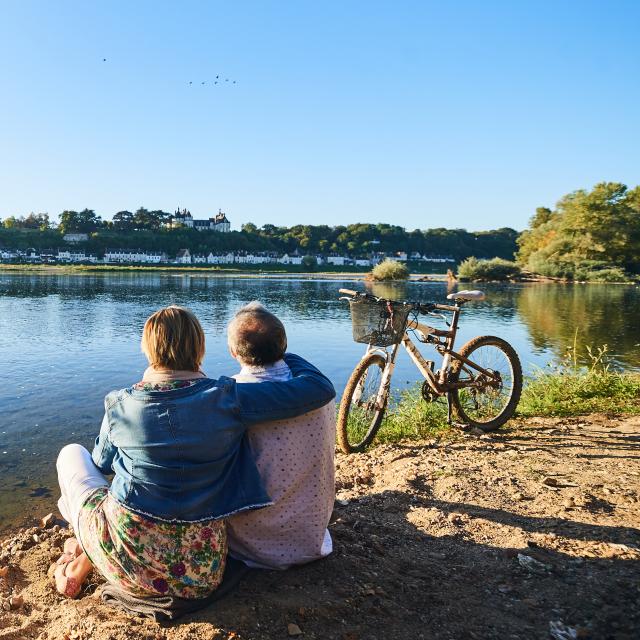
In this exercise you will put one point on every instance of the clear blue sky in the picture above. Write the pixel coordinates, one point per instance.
(423, 114)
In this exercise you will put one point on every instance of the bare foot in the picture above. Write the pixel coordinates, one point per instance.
(69, 576)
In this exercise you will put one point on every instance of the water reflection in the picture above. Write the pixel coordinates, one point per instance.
(66, 340)
(593, 315)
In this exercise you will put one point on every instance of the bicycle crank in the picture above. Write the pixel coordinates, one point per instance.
(428, 394)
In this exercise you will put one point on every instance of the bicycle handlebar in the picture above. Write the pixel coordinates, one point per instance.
(421, 307)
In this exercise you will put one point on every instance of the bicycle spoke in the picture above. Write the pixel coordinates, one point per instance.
(487, 397)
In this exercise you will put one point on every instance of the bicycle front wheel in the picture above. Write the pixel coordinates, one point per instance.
(359, 417)
(489, 401)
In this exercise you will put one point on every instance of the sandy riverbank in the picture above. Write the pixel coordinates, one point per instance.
(491, 537)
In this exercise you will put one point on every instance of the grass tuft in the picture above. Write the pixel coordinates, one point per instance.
(562, 389)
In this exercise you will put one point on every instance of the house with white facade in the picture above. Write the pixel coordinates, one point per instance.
(222, 258)
(134, 256)
(219, 222)
(183, 257)
(74, 238)
(290, 259)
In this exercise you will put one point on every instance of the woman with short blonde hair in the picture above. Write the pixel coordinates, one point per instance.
(175, 444)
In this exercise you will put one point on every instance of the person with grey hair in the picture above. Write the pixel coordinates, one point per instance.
(295, 458)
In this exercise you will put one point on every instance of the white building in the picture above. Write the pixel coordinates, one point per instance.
(338, 261)
(74, 238)
(183, 257)
(362, 262)
(290, 259)
(218, 223)
(137, 256)
(225, 258)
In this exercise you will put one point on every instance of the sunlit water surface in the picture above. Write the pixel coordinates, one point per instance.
(66, 340)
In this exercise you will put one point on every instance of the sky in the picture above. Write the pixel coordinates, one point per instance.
(423, 114)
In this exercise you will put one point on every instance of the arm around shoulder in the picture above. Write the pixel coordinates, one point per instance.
(308, 390)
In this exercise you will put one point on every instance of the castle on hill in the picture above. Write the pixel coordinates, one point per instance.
(218, 223)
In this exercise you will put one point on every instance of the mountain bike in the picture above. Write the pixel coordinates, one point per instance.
(482, 382)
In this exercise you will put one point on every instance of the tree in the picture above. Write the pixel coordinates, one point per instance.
(85, 221)
(309, 262)
(123, 221)
(588, 231)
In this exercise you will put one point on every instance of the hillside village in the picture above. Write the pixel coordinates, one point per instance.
(72, 253)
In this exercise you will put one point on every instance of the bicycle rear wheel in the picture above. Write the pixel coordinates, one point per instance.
(358, 417)
(489, 403)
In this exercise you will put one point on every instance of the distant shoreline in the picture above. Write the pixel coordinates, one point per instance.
(215, 271)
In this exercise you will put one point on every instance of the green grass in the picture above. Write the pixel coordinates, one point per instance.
(569, 388)
(562, 389)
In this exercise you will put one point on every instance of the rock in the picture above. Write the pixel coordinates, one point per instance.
(6, 606)
(558, 630)
(519, 497)
(455, 518)
(532, 565)
(35, 538)
(293, 629)
(4, 571)
(342, 503)
(550, 482)
(48, 521)
(569, 503)
(15, 602)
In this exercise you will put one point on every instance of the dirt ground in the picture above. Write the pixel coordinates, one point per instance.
(529, 533)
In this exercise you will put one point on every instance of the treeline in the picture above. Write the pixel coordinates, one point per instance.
(144, 229)
(590, 235)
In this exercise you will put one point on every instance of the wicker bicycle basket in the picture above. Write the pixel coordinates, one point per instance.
(378, 323)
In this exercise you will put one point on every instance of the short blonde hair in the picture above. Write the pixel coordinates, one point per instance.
(173, 339)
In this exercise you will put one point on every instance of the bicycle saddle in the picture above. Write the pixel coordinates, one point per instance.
(466, 295)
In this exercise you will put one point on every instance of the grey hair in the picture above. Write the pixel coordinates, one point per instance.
(256, 335)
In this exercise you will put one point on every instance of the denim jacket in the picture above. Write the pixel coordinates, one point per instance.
(180, 455)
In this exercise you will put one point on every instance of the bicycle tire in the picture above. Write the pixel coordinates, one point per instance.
(516, 368)
(345, 405)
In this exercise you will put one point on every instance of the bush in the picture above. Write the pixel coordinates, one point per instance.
(482, 270)
(614, 274)
(389, 270)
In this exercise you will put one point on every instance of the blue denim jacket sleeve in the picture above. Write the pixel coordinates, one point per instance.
(308, 390)
(104, 451)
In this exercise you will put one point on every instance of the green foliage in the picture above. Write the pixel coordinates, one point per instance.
(589, 231)
(84, 221)
(486, 270)
(410, 417)
(389, 270)
(570, 388)
(310, 262)
(34, 221)
(613, 274)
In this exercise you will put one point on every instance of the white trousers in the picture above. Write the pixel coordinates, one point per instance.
(78, 478)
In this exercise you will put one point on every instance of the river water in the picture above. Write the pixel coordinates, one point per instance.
(66, 340)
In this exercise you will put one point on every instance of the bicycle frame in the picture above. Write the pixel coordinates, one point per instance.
(439, 384)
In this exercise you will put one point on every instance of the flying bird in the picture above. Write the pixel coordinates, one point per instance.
(202, 83)
(104, 59)
(191, 83)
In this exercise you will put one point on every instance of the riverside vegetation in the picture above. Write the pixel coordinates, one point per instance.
(563, 389)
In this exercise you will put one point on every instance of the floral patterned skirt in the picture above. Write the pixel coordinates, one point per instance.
(150, 557)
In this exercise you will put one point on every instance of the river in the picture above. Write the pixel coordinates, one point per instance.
(66, 340)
